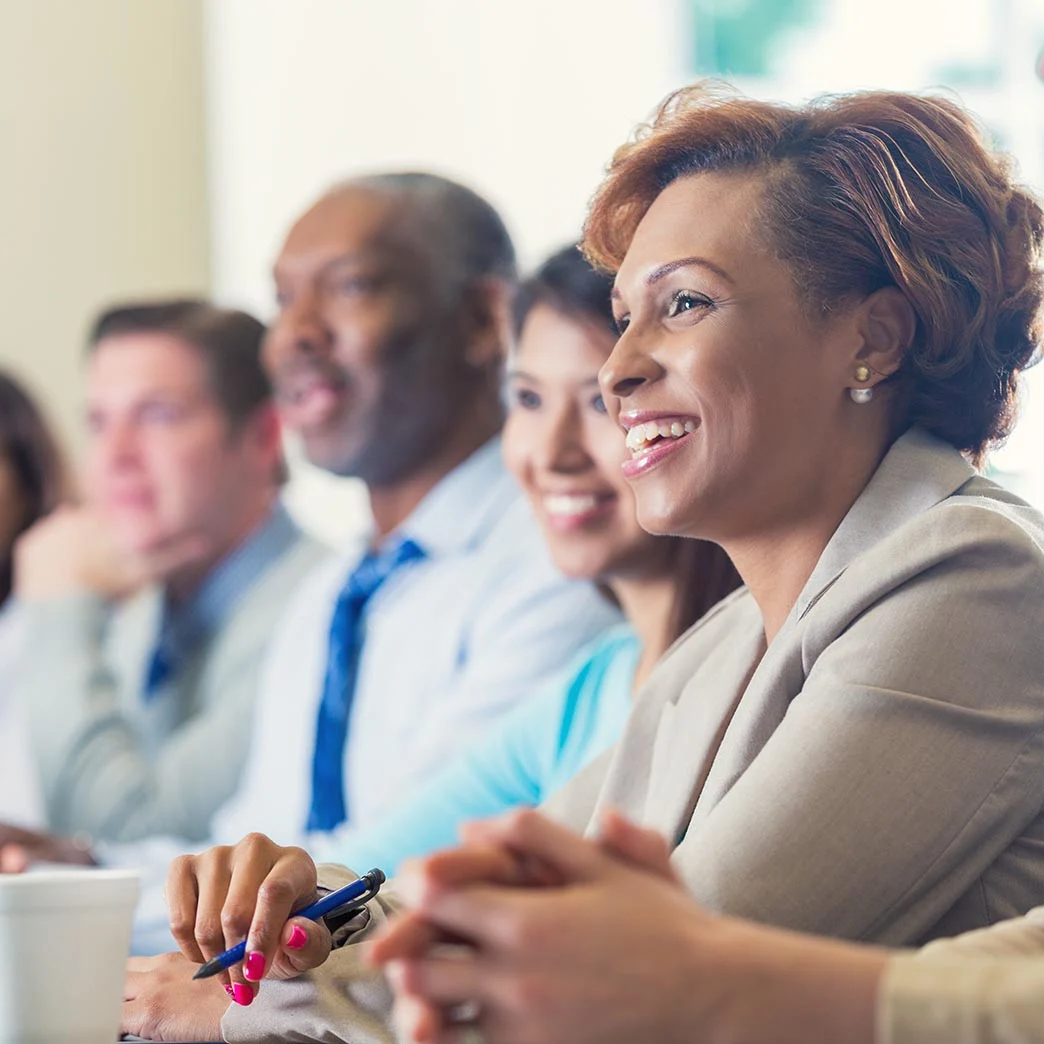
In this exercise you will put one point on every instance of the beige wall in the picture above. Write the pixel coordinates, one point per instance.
(102, 174)
(523, 101)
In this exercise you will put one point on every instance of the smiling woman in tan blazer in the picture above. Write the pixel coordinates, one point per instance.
(824, 312)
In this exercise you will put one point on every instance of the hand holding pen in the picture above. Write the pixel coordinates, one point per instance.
(248, 891)
(349, 899)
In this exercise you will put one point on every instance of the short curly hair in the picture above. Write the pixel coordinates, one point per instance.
(864, 191)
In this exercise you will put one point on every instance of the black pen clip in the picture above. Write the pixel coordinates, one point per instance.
(341, 915)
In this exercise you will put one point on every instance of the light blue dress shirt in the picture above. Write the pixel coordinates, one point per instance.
(522, 760)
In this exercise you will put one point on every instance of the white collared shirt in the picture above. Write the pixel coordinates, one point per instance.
(450, 644)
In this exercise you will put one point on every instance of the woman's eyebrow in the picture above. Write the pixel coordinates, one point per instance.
(665, 270)
(521, 375)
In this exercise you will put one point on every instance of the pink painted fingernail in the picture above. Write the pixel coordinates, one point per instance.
(242, 994)
(229, 991)
(254, 966)
(298, 938)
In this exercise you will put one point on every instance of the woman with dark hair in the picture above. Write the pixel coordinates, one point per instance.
(31, 485)
(565, 453)
(31, 473)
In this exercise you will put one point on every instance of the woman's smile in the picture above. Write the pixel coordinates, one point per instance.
(577, 509)
(653, 437)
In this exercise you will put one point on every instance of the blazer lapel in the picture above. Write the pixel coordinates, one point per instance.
(655, 766)
(764, 703)
(690, 730)
(917, 473)
(706, 712)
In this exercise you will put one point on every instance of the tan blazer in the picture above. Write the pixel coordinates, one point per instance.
(880, 774)
(883, 774)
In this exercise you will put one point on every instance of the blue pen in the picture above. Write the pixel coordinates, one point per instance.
(358, 892)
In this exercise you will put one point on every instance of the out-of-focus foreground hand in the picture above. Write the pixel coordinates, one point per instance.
(247, 891)
(74, 549)
(20, 849)
(161, 1002)
(606, 950)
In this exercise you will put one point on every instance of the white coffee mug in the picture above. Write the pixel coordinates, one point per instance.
(64, 940)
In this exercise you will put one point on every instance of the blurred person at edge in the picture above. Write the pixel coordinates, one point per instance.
(32, 484)
(824, 313)
(147, 608)
(394, 317)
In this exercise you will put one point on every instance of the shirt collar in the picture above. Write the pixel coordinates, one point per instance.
(462, 507)
(230, 579)
(917, 473)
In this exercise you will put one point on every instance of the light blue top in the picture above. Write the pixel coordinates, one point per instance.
(522, 760)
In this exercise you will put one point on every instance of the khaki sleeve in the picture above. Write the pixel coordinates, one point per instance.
(1019, 937)
(984, 987)
(962, 1001)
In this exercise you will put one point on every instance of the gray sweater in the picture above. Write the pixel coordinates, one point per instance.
(121, 768)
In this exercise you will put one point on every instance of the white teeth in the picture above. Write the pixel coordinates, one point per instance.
(569, 504)
(639, 437)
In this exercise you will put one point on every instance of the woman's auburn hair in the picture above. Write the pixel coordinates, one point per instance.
(863, 191)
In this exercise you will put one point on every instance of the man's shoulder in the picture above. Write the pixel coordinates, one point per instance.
(294, 565)
(265, 601)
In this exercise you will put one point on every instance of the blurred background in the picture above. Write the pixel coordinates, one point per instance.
(157, 147)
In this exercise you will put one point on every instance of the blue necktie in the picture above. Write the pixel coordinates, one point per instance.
(160, 668)
(165, 657)
(329, 804)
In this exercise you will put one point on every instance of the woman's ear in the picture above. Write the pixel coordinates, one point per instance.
(887, 324)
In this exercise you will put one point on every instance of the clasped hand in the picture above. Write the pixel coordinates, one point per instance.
(564, 937)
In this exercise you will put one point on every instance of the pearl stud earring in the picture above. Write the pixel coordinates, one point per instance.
(861, 396)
